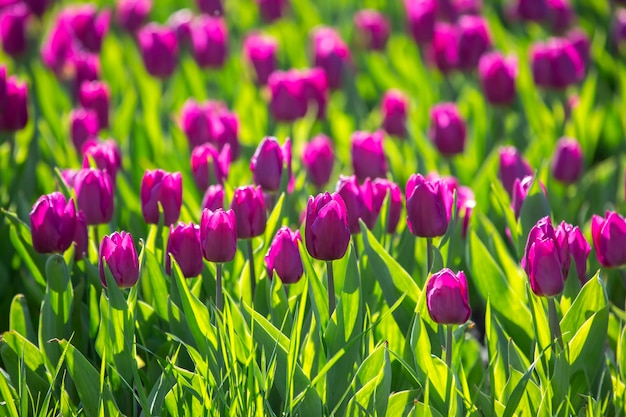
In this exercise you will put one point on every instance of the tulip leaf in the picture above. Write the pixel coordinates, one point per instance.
(586, 348)
(399, 403)
(9, 398)
(17, 351)
(20, 319)
(22, 243)
(317, 292)
(591, 299)
(153, 283)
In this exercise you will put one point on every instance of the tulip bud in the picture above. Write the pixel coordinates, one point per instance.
(218, 235)
(211, 7)
(271, 9)
(94, 195)
(609, 239)
(106, 155)
(69, 176)
(559, 15)
(224, 127)
(521, 186)
(283, 256)
(447, 297)
(287, 98)
(95, 96)
(546, 259)
(372, 29)
(428, 206)
(556, 64)
(159, 49)
(579, 250)
(249, 207)
(580, 41)
(512, 166)
(184, 245)
(315, 86)
(181, 22)
(118, 251)
(474, 41)
(327, 233)
(209, 166)
(318, 159)
(88, 26)
(368, 156)
(567, 162)
(395, 109)
(447, 129)
(382, 187)
(81, 237)
(13, 20)
(532, 10)
(82, 67)
(14, 116)
(58, 47)
(268, 161)
(131, 14)
(497, 76)
(209, 39)
(83, 127)
(213, 197)
(443, 50)
(162, 187)
(348, 189)
(260, 51)
(52, 223)
(421, 15)
(195, 123)
(331, 54)
(38, 7)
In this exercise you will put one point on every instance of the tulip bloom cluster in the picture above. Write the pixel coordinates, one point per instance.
(556, 64)
(293, 91)
(160, 188)
(210, 122)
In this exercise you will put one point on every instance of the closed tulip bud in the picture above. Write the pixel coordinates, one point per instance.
(228, 134)
(260, 51)
(381, 188)
(159, 49)
(218, 235)
(443, 50)
(194, 121)
(579, 250)
(473, 7)
(83, 67)
(83, 127)
(395, 107)
(95, 96)
(619, 29)
(609, 239)
(88, 26)
(249, 207)
(521, 186)
(331, 54)
(69, 176)
(580, 41)
(52, 223)
(13, 20)
(372, 29)
(271, 9)
(14, 116)
(447, 297)
(119, 254)
(348, 189)
(543, 267)
(165, 188)
(318, 159)
(512, 166)
(287, 96)
(428, 206)
(81, 237)
(106, 155)
(283, 257)
(94, 195)
(556, 64)
(368, 155)
(184, 245)
(532, 10)
(268, 161)
(559, 15)
(181, 22)
(209, 39)
(567, 162)
(327, 233)
(58, 47)
(209, 166)
(131, 14)
(213, 197)
(474, 41)
(315, 86)
(38, 7)
(421, 16)
(211, 7)
(447, 129)
(497, 76)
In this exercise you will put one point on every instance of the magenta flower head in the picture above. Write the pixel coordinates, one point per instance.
(531, 10)
(268, 161)
(209, 40)
(521, 186)
(512, 166)
(209, 166)
(578, 249)
(58, 47)
(81, 237)
(52, 223)
(283, 257)
(249, 207)
(82, 67)
(118, 251)
(14, 116)
(372, 28)
(421, 15)
(428, 206)
(271, 9)
(315, 86)
(619, 28)
(318, 159)
(556, 64)
(609, 239)
(447, 129)
(194, 121)
(326, 230)
(88, 26)
(95, 96)
(497, 76)
(213, 197)
(13, 20)
(131, 14)
(181, 22)
(381, 188)
(395, 107)
(218, 235)
(94, 195)
(260, 51)
(568, 161)
(38, 7)
(580, 41)
(287, 102)
(349, 190)
(162, 187)
(106, 155)
(546, 259)
(447, 297)
(184, 245)
(474, 41)
(560, 15)
(211, 7)
(83, 127)
(224, 128)
(443, 50)
(159, 49)
(331, 54)
(368, 155)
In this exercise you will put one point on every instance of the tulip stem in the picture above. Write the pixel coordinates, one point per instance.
(555, 327)
(331, 288)
(219, 297)
(429, 254)
(97, 238)
(252, 273)
(449, 346)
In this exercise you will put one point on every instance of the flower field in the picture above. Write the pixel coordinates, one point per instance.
(313, 208)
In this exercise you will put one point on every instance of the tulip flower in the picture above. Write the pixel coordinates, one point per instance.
(38, 7)
(213, 197)
(209, 166)
(579, 250)
(181, 22)
(118, 251)
(331, 54)
(271, 9)
(497, 76)
(531, 10)
(184, 245)
(292, 91)
(619, 29)
(560, 15)
(268, 161)
(567, 162)
(260, 51)
(443, 50)
(81, 237)
(421, 16)
(211, 7)
(14, 116)
(283, 256)
(447, 129)
(521, 187)
(165, 188)
(315, 87)
(13, 20)
(88, 26)
(512, 166)
(474, 40)
(609, 239)
(556, 64)
(580, 41)
(82, 67)
(58, 47)
(209, 40)
(95, 96)
(106, 155)
(428, 206)
(94, 195)
(368, 155)
(83, 127)
(195, 123)
(52, 223)
(381, 188)
(318, 159)
(372, 29)
(159, 49)
(131, 14)
(394, 108)
(348, 189)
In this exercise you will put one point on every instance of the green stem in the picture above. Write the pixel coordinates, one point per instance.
(219, 297)
(429, 254)
(449, 346)
(555, 328)
(252, 273)
(331, 288)
(97, 239)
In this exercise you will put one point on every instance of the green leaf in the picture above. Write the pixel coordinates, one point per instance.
(399, 403)
(8, 397)
(374, 384)
(20, 320)
(591, 299)
(17, 351)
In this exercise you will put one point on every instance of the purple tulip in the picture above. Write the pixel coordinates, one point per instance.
(224, 128)
(106, 155)
(532, 10)
(159, 49)
(560, 15)
(59, 47)
(447, 129)
(213, 197)
(556, 64)
(421, 16)
(181, 22)
(567, 162)
(118, 251)
(218, 235)
(447, 297)
(69, 177)
(81, 237)
(271, 9)
(184, 245)
(474, 40)
(95, 96)
(579, 250)
(315, 87)
(331, 54)
(94, 195)
(580, 41)
(52, 223)
(195, 123)
(211, 7)
(165, 188)
(471, 7)
(428, 206)
(287, 98)
(131, 14)
(13, 20)
(443, 50)
(249, 207)
(395, 107)
(268, 161)
(14, 116)
(512, 166)
(497, 76)
(83, 127)
(83, 67)
(260, 51)
(521, 187)
(465, 200)
(88, 27)
(209, 166)
(209, 39)
(380, 188)
(327, 233)
(38, 7)
(283, 256)
(609, 239)
(349, 190)
(619, 28)
(368, 155)
(372, 29)
(318, 159)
